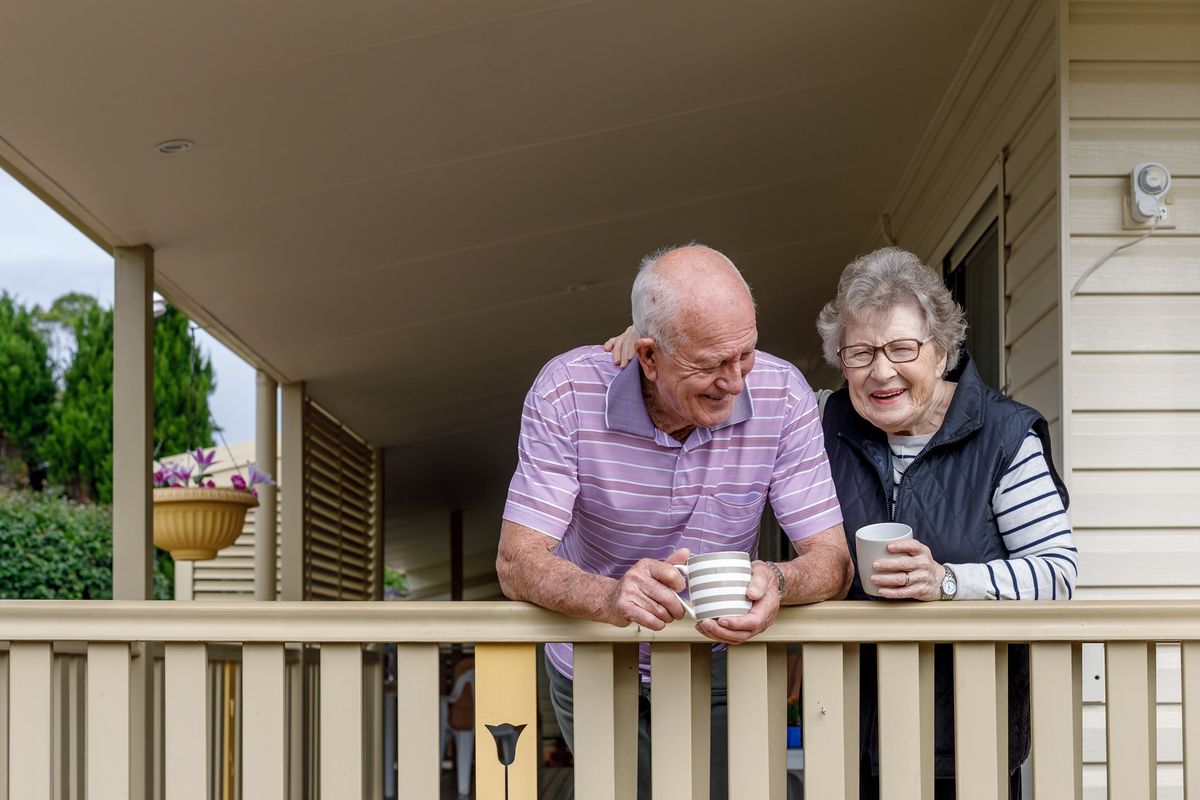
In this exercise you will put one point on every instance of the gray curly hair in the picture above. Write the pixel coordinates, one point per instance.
(876, 283)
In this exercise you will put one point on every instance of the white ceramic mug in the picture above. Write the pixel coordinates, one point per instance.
(870, 544)
(717, 584)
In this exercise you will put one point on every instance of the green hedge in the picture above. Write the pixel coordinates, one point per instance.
(51, 548)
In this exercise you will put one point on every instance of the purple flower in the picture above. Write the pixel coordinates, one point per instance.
(204, 460)
(258, 477)
(210, 484)
(238, 482)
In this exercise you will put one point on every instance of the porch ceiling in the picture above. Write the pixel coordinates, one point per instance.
(412, 205)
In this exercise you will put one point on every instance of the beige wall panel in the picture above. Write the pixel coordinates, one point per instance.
(1030, 143)
(1135, 382)
(1170, 733)
(1027, 75)
(1035, 250)
(963, 102)
(1032, 301)
(1137, 440)
(1136, 324)
(1037, 189)
(1043, 393)
(1135, 31)
(1164, 557)
(1138, 593)
(1170, 782)
(1159, 90)
(1108, 147)
(1096, 206)
(1147, 499)
(1167, 683)
(1166, 266)
(1035, 351)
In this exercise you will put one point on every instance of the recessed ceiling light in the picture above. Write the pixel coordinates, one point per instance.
(174, 146)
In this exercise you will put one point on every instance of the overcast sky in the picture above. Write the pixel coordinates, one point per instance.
(42, 257)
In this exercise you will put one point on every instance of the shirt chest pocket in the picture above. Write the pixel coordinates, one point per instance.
(735, 508)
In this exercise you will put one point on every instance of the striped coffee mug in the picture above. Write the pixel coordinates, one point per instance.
(717, 584)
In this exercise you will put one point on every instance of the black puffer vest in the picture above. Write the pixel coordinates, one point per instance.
(946, 496)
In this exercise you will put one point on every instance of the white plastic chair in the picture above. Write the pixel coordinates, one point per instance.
(464, 739)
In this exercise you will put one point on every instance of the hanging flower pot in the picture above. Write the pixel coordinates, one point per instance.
(194, 523)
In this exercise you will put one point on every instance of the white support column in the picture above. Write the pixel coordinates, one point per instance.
(291, 485)
(265, 449)
(133, 422)
(133, 453)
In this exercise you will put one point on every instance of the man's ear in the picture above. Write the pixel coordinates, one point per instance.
(648, 354)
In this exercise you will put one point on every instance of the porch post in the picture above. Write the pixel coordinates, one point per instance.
(133, 452)
(291, 481)
(265, 515)
(133, 422)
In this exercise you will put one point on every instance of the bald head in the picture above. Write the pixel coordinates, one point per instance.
(678, 290)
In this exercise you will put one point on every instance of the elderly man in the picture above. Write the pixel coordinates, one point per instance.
(622, 474)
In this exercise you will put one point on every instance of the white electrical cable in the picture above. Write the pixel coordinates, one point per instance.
(1110, 254)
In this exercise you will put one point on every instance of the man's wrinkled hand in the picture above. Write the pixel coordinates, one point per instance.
(763, 594)
(646, 594)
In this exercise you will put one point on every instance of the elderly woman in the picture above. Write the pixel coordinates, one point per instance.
(915, 436)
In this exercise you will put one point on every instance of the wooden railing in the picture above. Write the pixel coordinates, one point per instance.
(92, 654)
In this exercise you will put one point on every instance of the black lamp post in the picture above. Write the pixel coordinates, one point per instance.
(506, 735)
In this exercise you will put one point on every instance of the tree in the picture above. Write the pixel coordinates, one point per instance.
(79, 446)
(183, 382)
(26, 394)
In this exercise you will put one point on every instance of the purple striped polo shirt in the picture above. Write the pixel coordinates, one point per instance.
(594, 472)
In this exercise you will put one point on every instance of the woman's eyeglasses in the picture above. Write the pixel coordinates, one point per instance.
(898, 351)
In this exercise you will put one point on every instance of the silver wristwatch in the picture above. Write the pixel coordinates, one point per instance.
(949, 584)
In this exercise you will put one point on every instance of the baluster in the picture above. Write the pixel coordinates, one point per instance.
(29, 751)
(1056, 773)
(108, 739)
(264, 715)
(1131, 712)
(506, 691)
(606, 682)
(418, 762)
(680, 720)
(753, 739)
(905, 721)
(341, 720)
(830, 726)
(185, 677)
(980, 716)
(1190, 667)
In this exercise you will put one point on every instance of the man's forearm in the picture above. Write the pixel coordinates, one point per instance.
(530, 571)
(822, 570)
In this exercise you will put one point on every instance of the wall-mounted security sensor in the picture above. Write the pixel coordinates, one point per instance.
(1147, 202)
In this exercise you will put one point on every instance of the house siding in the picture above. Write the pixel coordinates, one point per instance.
(1004, 105)
(1133, 94)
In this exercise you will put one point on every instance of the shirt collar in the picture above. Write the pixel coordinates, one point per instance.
(625, 408)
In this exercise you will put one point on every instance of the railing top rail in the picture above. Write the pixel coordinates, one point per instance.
(163, 621)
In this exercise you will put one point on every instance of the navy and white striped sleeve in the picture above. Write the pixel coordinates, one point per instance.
(1043, 563)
